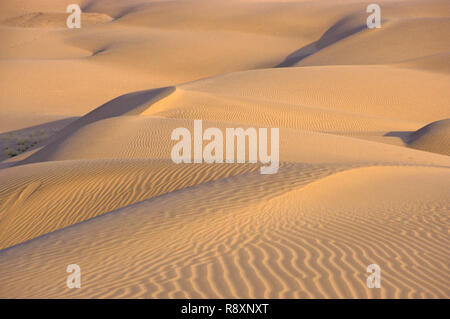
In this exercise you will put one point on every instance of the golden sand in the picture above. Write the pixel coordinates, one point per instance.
(364, 149)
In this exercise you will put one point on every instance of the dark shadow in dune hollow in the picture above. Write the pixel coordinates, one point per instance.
(334, 34)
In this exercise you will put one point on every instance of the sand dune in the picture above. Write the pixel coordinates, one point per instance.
(434, 137)
(398, 47)
(261, 245)
(87, 177)
(436, 63)
(101, 186)
(90, 143)
(52, 20)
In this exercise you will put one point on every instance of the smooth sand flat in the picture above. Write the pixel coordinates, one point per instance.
(364, 149)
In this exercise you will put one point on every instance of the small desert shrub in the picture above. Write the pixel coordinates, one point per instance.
(11, 153)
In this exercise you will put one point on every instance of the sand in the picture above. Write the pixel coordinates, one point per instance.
(364, 149)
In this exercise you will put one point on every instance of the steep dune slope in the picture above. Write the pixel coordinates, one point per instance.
(402, 40)
(434, 137)
(409, 30)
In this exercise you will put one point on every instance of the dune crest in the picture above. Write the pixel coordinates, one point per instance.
(434, 137)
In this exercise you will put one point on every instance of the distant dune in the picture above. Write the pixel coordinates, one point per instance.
(52, 20)
(434, 137)
(86, 175)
